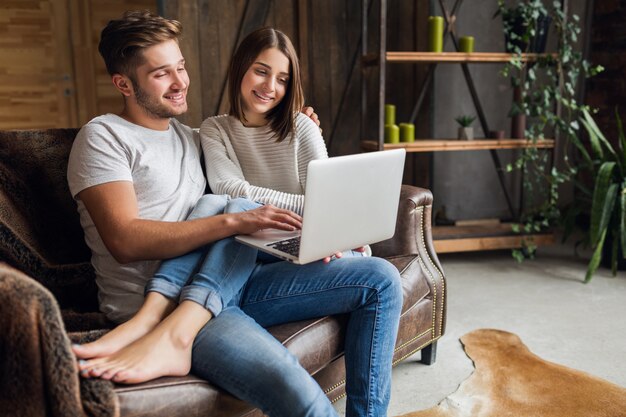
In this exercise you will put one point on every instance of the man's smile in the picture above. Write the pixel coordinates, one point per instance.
(176, 98)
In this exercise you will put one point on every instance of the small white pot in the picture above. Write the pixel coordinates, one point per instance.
(466, 133)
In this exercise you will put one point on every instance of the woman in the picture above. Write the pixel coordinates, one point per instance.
(261, 149)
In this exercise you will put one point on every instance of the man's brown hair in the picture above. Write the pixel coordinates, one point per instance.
(123, 40)
(282, 117)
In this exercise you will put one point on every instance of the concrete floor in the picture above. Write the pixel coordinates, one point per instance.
(543, 301)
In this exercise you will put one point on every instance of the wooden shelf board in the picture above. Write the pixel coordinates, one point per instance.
(437, 145)
(448, 239)
(458, 57)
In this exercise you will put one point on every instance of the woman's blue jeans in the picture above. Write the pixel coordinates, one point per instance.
(212, 274)
(235, 352)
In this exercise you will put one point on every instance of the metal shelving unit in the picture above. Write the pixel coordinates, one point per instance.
(446, 238)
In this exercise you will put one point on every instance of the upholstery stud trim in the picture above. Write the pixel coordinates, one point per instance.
(413, 339)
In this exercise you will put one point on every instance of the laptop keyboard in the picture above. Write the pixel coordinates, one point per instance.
(290, 246)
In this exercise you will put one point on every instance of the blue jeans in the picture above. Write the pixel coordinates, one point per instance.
(212, 274)
(235, 352)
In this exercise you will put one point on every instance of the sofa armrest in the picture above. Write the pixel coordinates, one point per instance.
(413, 226)
(411, 249)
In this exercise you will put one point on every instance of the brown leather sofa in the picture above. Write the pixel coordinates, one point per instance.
(40, 237)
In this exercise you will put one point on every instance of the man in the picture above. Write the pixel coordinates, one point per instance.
(135, 177)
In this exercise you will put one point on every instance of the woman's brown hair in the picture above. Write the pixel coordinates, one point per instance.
(282, 117)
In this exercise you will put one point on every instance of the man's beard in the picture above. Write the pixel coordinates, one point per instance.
(151, 106)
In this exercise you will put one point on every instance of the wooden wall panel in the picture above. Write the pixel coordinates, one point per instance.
(35, 81)
(51, 74)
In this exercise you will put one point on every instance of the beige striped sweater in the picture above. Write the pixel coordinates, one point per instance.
(248, 162)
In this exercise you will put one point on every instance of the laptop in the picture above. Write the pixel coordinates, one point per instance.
(350, 201)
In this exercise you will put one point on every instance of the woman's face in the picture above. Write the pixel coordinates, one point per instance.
(264, 85)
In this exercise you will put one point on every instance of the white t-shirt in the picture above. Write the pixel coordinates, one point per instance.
(164, 167)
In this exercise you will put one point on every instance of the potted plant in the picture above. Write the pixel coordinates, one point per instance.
(526, 26)
(465, 131)
(603, 209)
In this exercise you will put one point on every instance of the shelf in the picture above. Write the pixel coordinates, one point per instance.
(448, 239)
(438, 145)
(459, 57)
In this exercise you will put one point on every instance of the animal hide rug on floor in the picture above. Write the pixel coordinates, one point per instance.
(509, 380)
(38, 373)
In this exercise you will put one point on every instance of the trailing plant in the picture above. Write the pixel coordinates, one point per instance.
(465, 120)
(605, 206)
(547, 89)
(523, 25)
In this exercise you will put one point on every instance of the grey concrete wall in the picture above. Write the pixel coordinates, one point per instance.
(466, 183)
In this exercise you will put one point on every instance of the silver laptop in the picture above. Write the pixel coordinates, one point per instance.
(350, 201)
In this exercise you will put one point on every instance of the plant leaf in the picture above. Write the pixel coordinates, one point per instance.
(596, 148)
(579, 145)
(622, 140)
(595, 259)
(603, 201)
(599, 134)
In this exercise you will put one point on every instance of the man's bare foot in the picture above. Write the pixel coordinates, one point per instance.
(166, 350)
(154, 309)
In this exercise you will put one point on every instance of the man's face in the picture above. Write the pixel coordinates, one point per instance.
(160, 84)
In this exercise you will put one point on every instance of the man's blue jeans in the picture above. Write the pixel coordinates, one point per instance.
(235, 352)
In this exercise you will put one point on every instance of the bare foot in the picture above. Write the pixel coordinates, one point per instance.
(166, 350)
(154, 309)
(158, 353)
(115, 340)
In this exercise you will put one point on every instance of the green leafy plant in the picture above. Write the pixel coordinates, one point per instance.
(546, 94)
(465, 120)
(605, 206)
(523, 23)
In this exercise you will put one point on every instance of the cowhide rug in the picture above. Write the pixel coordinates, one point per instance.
(510, 380)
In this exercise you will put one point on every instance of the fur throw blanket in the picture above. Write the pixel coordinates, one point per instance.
(39, 376)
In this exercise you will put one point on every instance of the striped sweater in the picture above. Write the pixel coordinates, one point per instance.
(248, 162)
